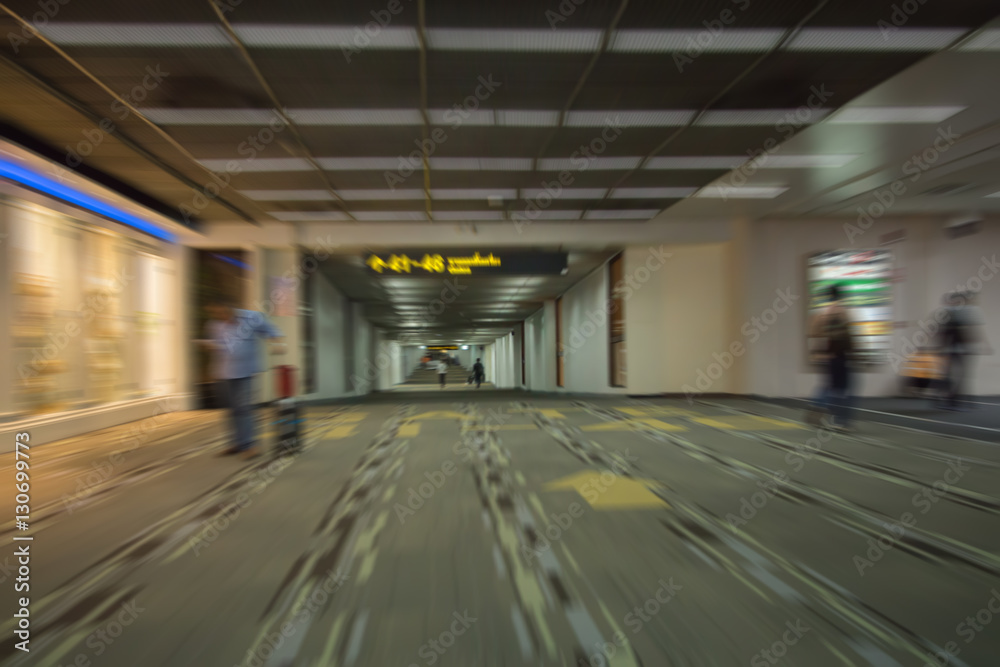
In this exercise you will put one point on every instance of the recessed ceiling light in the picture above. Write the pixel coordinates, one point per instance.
(390, 216)
(305, 216)
(755, 117)
(136, 34)
(629, 214)
(745, 192)
(463, 39)
(589, 164)
(263, 164)
(652, 118)
(893, 115)
(288, 195)
(671, 41)
(324, 37)
(566, 193)
(652, 193)
(874, 39)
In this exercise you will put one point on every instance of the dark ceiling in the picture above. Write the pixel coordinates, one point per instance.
(58, 87)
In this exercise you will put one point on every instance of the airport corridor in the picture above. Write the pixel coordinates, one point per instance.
(505, 528)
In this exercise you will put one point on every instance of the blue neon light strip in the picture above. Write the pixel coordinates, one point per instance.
(36, 181)
(234, 262)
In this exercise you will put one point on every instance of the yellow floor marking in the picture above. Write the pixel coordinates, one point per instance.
(441, 414)
(631, 425)
(409, 430)
(663, 426)
(610, 492)
(552, 414)
(367, 566)
(331, 642)
(657, 411)
(342, 431)
(351, 417)
(746, 423)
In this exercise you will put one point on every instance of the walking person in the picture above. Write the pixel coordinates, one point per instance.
(233, 333)
(833, 326)
(961, 336)
(479, 372)
(442, 369)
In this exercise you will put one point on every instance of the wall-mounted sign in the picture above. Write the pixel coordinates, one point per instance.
(419, 263)
(442, 347)
(865, 278)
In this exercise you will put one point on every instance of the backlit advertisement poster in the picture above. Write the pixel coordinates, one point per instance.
(865, 281)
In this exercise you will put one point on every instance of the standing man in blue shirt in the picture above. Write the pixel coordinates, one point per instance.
(233, 334)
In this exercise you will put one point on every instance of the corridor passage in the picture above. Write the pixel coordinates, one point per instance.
(505, 528)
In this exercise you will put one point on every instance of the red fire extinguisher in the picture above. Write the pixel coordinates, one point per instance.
(286, 381)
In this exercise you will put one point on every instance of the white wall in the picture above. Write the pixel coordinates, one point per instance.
(930, 266)
(330, 313)
(585, 334)
(678, 316)
(540, 350)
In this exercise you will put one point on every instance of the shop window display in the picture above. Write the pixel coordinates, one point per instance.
(89, 314)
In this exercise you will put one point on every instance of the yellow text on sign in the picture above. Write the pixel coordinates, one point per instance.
(610, 492)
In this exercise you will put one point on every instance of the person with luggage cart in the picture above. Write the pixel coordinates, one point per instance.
(233, 334)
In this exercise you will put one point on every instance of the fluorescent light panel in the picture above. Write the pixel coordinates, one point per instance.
(287, 195)
(468, 215)
(390, 216)
(479, 117)
(359, 163)
(379, 195)
(377, 117)
(670, 41)
(757, 117)
(589, 164)
(543, 41)
(566, 193)
(257, 117)
(874, 39)
(530, 118)
(136, 34)
(649, 118)
(746, 192)
(652, 193)
(481, 163)
(630, 214)
(325, 37)
(260, 164)
(473, 194)
(893, 115)
(307, 216)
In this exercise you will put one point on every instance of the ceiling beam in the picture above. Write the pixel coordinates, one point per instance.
(278, 108)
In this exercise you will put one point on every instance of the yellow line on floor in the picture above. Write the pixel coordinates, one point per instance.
(338, 432)
(409, 430)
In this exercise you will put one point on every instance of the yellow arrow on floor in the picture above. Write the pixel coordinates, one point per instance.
(615, 493)
(343, 431)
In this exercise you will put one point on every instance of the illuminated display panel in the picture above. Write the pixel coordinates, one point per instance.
(865, 279)
(423, 263)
